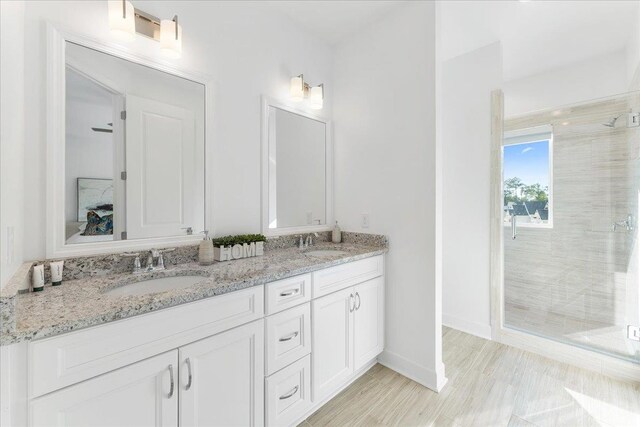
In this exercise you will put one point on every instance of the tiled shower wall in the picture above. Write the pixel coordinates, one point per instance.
(579, 275)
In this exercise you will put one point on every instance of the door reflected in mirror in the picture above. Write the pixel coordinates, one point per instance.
(134, 150)
(297, 168)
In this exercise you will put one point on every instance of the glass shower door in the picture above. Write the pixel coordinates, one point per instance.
(571, 186)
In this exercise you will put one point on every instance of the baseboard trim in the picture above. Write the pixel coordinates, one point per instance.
(432, 379)
(474, 328)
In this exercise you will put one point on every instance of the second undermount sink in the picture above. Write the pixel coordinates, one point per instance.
(150, 286)
(325, 252)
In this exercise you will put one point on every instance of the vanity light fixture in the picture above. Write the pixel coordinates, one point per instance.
(125, 21)
(316, 97)
(122, 19)
(299, 90)
(171, 37)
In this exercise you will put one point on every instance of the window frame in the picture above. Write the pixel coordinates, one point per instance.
(529, 136)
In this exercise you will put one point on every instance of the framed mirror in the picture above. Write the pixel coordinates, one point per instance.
(127, 163)
(297, 164)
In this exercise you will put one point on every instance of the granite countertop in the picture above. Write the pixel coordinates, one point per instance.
(84, 302)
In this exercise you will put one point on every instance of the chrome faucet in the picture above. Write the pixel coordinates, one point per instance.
(627, 224)
(152, 264)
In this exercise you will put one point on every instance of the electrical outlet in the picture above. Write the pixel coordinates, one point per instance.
(365, 220)
(633, 332)
(309, 218)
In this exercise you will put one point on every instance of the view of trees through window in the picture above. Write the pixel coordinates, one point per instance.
(526, 182)
(526, 172)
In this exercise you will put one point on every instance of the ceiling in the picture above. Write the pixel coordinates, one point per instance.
(538, 35)
(333, 21)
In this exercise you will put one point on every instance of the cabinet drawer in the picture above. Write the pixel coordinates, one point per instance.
(288, 337)
(70, 358)
(288, 393)
(345, 275)
(287, 293)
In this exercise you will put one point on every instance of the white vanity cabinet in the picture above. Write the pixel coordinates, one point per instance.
(267, 355)
(348, 332)
(221, 379)
(141, 394)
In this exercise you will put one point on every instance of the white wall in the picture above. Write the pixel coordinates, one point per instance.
(249, 50)
(385, 146)
(467, 82)
(633, 56)
(598, 77)
(12, 167)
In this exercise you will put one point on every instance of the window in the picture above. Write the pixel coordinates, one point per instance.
(527, 177)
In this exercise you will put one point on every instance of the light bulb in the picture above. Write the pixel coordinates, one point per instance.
(169, 44)
(122, 25)
(297, 89)
(316, 97)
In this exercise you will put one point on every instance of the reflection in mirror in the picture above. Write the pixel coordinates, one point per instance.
(134, 150)
(297, 170)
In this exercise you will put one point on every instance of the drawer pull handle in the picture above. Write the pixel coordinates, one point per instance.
(357, 307)
(289, 337)
(190, 378)
(351, 308)
(289, 292)
(172, 384)
(291, 393)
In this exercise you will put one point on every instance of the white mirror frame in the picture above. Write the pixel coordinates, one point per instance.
(56, 246)
(270, 102)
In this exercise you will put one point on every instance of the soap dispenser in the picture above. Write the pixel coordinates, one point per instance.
(336, 234)
(205, 251)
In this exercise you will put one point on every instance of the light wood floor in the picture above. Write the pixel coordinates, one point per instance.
(490, 384)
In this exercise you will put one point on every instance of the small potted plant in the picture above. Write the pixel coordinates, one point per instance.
(237, 247)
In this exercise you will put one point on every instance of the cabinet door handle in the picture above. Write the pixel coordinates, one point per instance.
(351, 308)
(190, 378)
(291, 393)
(289, 292)
(289, 337)
(172, 383)
(358, 299)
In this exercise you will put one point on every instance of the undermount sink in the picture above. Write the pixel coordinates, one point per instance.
(150, 286)
(325, 252)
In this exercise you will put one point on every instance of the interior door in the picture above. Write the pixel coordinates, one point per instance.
(368, 336)
(136, 395)
(332, 342)
(160, 154)
(227, 379)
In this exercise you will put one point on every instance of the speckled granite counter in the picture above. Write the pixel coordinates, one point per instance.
(83, 302)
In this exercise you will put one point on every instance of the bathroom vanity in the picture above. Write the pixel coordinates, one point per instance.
(234, 348)
(250, 342)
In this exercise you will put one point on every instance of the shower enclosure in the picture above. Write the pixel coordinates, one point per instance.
(567, 214)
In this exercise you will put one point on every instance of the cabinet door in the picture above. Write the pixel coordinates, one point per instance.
(368, 336)
(227, 379)
(136, 395)
(332, 355)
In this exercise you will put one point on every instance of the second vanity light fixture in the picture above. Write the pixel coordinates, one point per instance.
(299, 90)
(125, 21)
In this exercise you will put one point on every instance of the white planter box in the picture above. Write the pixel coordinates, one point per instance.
(227, 253)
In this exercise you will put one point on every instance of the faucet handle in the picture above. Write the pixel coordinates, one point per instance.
(136, 261)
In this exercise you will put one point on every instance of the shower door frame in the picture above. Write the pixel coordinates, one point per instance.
(547, 347)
